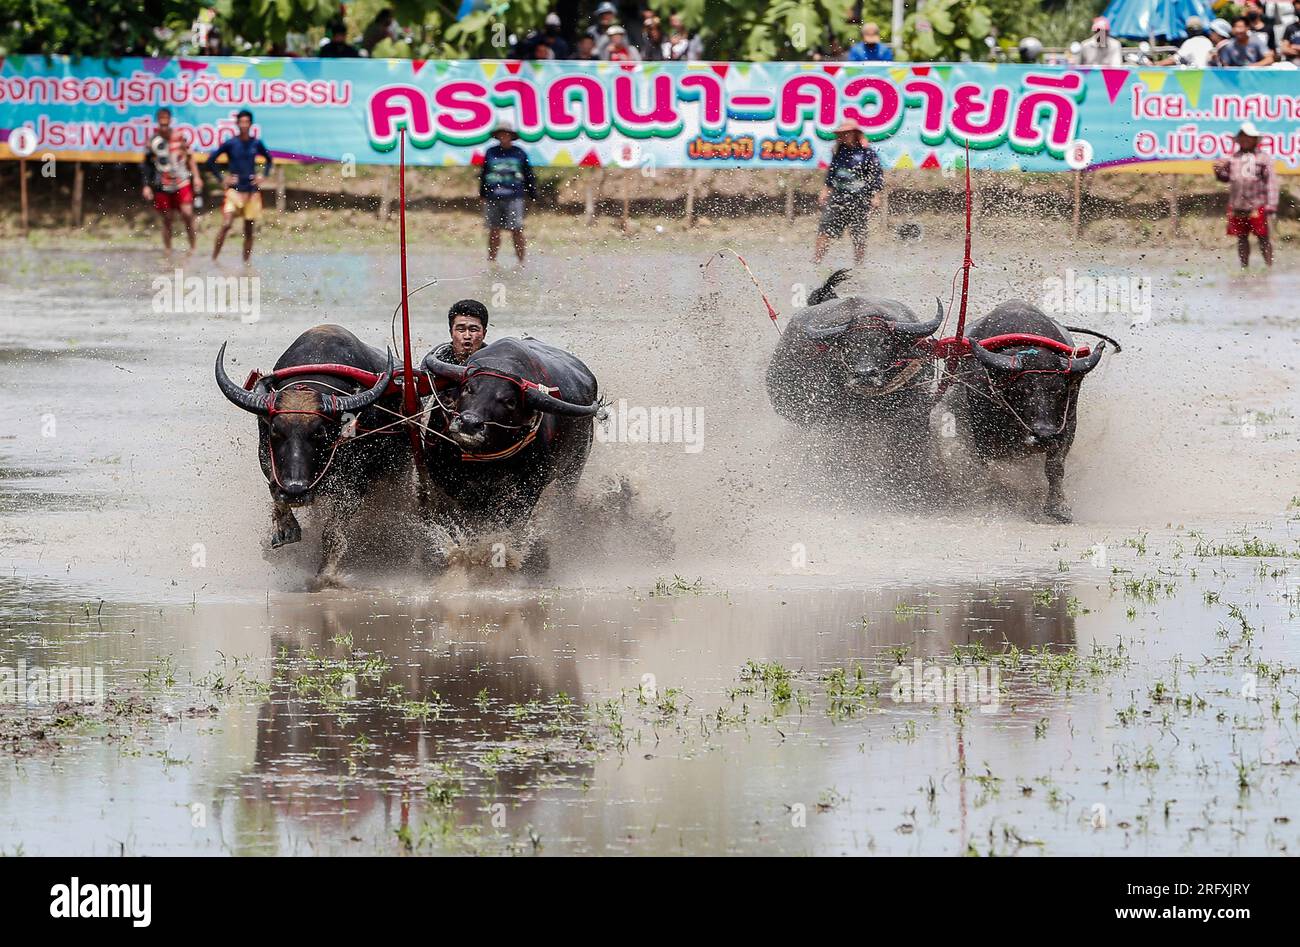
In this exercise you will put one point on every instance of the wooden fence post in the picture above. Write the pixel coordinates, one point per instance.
(1078, 203)
(626, 202)
(279, 189)
(385, 176)
(78, 191)
(691, 184)
(789, 196)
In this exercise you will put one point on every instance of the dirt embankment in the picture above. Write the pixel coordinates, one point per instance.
(315, 203)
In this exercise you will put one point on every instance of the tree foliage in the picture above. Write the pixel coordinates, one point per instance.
(98, 28)
(779, 29)
(268, 21)
(947, 30)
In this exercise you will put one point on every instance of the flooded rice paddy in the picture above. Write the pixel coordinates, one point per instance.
(801, 668)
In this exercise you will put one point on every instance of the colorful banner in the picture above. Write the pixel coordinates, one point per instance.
(668, 115)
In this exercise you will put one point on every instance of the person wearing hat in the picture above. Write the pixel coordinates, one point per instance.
(1101, 49)
(505, 177)
(1195, 51)
(605, 16)
(616, 48)
(1244, 49)
(1253, 190)
(871, 49)
(852, 190)
(552, 39)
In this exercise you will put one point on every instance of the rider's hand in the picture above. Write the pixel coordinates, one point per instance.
(148, 193)
(259, 180)
(230, 180)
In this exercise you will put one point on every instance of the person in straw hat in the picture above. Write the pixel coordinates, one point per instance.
(505, 177)
(1253, 191)
(852, 190)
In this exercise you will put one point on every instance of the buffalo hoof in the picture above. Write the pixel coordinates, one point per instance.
(326, 580)
(286, 536)
(1056, 514)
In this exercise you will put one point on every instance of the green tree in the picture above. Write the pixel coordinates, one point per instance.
(780, 29)
(263, 22)
(99, 28)
(947, 30)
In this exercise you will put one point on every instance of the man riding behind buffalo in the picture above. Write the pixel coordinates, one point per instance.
(853, 185)
(468, 321)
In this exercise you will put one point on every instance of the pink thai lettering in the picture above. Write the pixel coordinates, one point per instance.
(797, 105)
(661, 112)
(1057, 95)
(927, 95)
(462, 112)
(966, 126)
(526, 101)
(395, 106)
(557, 103)
(708, 87)
(889, 106)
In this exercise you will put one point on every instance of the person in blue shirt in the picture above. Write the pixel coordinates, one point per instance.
(504, 178)
(241, 181)
(871, 49)
(853, 185)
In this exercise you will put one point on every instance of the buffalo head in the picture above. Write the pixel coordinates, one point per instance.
(496, 403)
(303, 427)
(872, 348)
(1037, 385)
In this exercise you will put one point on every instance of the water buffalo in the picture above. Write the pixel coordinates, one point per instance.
(521, 418)
(307, 435)
(852, 364)
(1021, 400)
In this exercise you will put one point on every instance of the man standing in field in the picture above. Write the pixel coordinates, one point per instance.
(504, 179)
(853, 185)
(241, 181)
(170, 171)
(1253, 191)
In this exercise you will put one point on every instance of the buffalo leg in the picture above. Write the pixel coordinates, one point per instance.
(284, 526)
(1056, 508)
(334, 545)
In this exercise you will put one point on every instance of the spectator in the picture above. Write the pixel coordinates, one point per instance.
(604, 17)
(682, 44)
(1253, 192)
(504, 179)
(617, 49)
(1195, 51)
(381, 27)
(170, 173)
(1258, 27)
(652, 40)
(871, 49)
(338, 47)
(241, 181)
(1244, 49)
(852, 190)
(1220, 33)
(1290, 47)
(551, 38)
(212, 46)
(1101, 49)
(586, 49)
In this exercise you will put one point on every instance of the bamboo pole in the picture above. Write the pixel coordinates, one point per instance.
(589, 198)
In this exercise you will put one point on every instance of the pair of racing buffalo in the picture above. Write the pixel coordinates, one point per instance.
(497, 431)
(857, 365)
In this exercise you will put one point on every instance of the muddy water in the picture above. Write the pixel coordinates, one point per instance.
(738, 695)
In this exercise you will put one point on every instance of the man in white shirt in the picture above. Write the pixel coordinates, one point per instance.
(1195, 51)
(1101, 49)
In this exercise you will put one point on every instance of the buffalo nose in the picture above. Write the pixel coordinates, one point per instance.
(470, 424)
(1042, 432)
(294, 487)
(868, 376)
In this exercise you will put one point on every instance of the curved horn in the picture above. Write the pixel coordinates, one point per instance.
(994, 360)
(249, 401)
(447, 370)
(540, 401)
(1080, 366)
(919, 330)
(827, 289)
(821, 334)
(351, 404)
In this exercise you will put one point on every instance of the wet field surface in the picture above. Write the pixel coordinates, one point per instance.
(1126, 684)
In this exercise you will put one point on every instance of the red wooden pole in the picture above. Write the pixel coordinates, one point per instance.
(410, 403)
(967, 263)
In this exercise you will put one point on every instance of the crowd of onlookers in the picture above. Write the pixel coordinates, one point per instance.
(1266, 33)
(1263, 35)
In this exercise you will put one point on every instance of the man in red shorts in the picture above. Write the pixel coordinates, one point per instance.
(1253, 190)
(170, 172)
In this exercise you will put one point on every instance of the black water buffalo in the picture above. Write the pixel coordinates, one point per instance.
(521, 418)
(852, 364)
(308, 435)
(1021, 400)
